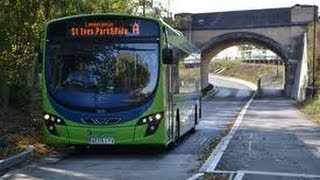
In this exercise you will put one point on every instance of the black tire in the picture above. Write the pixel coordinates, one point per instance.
(200, 108)
(177, 133)
(171, 146)
(193, 130)
(196, 114)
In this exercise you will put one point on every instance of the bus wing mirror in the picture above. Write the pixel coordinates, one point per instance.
(167, 55)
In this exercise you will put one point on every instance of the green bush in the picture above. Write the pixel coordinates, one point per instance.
(20, 96)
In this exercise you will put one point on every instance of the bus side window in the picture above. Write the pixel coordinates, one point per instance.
(175, 72)
(175, 79)
(188, 77)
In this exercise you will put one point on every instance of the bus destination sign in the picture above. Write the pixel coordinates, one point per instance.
(103, 29)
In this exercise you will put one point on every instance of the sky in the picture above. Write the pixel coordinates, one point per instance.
(200, 6)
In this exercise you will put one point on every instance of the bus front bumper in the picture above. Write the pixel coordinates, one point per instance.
(131, 135)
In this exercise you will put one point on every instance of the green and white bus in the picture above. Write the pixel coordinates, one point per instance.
(118, 80)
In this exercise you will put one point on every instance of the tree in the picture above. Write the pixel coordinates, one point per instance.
(22, 21)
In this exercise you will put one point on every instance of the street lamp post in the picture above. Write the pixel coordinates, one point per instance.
(168, 13)
(315, 18)
(144, 7)
(144, 4)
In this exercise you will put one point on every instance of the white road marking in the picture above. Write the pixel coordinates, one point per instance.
(239, 175)
(214, 158)
(282, 174)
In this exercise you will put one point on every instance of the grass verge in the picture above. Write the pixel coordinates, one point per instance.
(247, 71)
(311, 108)
(216, 176)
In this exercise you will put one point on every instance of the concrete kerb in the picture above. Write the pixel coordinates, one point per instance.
(196, 176)
(16, 159)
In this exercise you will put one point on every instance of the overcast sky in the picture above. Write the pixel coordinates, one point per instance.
(198, 6)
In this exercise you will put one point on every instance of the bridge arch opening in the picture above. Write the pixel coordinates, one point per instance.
(217, 44)
(274, 71)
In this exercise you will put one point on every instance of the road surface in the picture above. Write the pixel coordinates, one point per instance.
(274, 141)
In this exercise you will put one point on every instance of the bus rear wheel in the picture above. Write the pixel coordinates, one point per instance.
(193, 130)
(177, 127)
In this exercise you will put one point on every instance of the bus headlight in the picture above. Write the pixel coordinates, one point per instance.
(158, 116)
(51, 121)
(150, 118)
(46, 116)
(152, 121)
(54, 119)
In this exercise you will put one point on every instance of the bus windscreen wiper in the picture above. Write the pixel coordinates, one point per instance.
(133, 49)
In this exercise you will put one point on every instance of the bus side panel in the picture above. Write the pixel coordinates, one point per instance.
(186, 93)
(160, 137)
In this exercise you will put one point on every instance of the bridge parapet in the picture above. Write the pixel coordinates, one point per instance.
(302, 14)
(296, 15)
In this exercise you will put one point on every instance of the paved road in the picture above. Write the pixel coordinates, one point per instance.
(179, 163)
(274, 141)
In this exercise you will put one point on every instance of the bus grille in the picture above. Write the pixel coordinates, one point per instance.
(100, 121)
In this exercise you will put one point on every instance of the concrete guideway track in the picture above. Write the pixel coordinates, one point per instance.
(180, 163)
(274, 141)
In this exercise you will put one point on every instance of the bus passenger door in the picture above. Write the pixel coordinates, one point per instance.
(169, 100)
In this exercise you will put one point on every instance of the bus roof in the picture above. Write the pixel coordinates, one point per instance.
(178, 40)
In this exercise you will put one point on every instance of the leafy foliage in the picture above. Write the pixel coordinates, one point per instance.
(311, 108)
(22, 23)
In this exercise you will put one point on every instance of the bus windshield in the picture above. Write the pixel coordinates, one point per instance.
(105, 68)
(127, 70)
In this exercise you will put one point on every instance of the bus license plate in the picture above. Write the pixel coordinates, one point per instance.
(101, 141)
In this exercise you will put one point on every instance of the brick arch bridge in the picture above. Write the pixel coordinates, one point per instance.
(281, 30)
